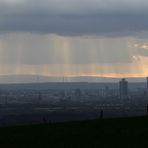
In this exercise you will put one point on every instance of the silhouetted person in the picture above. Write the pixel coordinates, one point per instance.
(101, 114)
(147, 110)
(49, 121)
(44, 120)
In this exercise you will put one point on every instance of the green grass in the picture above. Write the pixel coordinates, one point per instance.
(121, 133)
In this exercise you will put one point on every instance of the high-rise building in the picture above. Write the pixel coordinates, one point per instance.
(123, 88)
(147, 83)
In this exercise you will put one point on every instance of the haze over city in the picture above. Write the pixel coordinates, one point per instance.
(74, 38)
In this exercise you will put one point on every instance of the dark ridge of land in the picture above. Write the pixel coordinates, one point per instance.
(107, 133)
(17, 79)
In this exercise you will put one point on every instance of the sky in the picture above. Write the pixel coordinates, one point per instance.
(106, 38)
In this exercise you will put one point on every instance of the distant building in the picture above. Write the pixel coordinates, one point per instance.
(78, 93)
(147, 83)
(146, 90)
(107, 91)
(123, 88)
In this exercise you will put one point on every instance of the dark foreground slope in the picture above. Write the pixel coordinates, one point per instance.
(126, 133)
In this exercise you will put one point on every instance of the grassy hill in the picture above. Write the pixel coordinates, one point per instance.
(126, 133)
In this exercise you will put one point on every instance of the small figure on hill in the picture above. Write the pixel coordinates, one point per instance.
(44, 120)
(101, 114)
(147, 110)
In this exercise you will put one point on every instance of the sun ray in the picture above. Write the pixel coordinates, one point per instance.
(73, 56)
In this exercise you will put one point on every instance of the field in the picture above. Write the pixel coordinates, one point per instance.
(125, 132)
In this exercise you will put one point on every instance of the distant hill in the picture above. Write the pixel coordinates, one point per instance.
(29, 82)
(107, 133)
(39, 79)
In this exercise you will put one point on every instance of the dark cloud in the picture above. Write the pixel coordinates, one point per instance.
(74, 17)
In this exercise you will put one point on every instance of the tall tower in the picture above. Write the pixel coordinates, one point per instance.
(147, 84)
(123, 89)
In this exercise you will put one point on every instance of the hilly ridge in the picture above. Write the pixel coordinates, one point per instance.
(8, 79)
(107, 133)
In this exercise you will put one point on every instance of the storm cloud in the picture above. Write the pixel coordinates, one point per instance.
(74, 17)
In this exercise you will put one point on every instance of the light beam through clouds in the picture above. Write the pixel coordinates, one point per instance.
(53, 55)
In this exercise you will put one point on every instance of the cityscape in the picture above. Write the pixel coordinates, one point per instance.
(60, 102)
(73, 73)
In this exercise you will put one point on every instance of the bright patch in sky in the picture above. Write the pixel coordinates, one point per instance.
(53, 55)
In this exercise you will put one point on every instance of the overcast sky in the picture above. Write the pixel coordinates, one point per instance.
(74, 37)
(74, 17)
